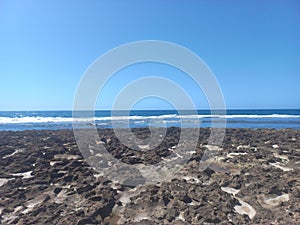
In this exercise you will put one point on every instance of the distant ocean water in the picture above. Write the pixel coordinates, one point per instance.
(55, 120)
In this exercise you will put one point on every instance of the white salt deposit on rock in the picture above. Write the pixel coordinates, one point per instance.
(230, 190)
(242, 146)
(270, 202)
(66, 156)
(191, 180)
(143, 147)
(14, 153)
(212, 147)
(172, 148)
(141, 216)
(3, 181)
(277, 200)
(245, 208)
(32, 203)
(52, 163)
(232, 154)
(24, 175)
(284, 157)
(283, 168)
(180, 216)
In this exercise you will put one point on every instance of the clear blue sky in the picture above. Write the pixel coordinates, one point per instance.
(253, 48)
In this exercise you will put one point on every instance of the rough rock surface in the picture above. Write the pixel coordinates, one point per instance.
(253, 179)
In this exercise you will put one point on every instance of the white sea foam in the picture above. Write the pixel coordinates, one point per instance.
(29, 119)
(163, 118)
(257, 116)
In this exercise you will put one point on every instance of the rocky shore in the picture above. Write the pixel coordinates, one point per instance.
(253, 179)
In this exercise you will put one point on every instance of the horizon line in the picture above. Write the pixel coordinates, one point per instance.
(60, 110)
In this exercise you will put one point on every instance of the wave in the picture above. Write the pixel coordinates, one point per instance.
(39, 119)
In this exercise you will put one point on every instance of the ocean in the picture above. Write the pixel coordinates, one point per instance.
(56, 120)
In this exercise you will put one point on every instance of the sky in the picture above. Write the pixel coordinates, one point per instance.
(252, 47)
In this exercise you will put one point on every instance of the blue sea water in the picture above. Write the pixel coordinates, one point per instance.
(55, 120)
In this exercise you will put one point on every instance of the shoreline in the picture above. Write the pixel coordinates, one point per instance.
(253, 179)
(177, 127)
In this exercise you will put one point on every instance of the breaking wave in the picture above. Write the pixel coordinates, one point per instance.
(39, 119)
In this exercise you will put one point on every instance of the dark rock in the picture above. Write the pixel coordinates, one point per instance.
(66, 191)
(57, 190)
